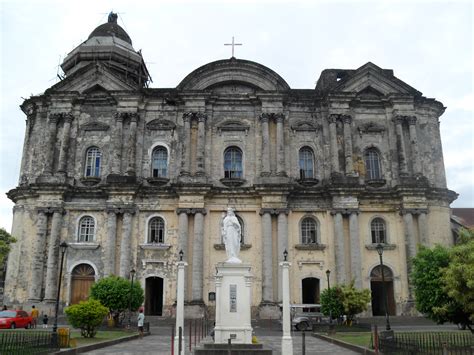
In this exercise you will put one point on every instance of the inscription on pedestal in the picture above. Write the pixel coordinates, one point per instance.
(233, 298)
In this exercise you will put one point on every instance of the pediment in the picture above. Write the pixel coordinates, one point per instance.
(95, 126)
(233, 70)
(160, 125)
(373, 80)
(89, 78)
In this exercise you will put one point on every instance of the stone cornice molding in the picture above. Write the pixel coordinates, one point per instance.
(274, 211)
(191, 211)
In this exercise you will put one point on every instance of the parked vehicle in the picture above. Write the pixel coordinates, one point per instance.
(10, 319)
(304, 316)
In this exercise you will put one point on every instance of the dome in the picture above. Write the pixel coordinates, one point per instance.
(111, 29)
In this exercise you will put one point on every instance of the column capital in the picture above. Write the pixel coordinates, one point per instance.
(201, 116)
(121, 209)
(133, 116)
(399, 119)
(55, 117)
(279, 117)
(346, 119)
(413, 211)
(332, 118)
(187, 116)
(191, 211)
(411, 120)
(119, 116)
(264, 117)
(274, 211)
(51, 210)
(344, 211)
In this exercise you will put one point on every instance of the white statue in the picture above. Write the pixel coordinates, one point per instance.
(231, 235)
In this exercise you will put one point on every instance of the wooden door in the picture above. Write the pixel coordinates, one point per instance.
(83, 277)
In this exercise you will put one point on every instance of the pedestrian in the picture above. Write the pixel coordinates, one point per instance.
(34, 315)
(45, 321)
(4, 307)
(141, 320)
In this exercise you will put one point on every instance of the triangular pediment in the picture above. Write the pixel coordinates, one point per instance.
(372, 80)
(91, 77)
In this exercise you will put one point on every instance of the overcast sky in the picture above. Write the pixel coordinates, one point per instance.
(429, 45)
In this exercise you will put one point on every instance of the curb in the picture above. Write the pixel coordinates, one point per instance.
(356, 348)
(104, 344)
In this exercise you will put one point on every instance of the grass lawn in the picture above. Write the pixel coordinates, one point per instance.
(361, 339)
(102, 335)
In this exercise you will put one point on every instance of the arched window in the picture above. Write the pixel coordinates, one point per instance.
(93, 161)
(159, 162)
(156, 230)
(86, 230)
(233, 163)
(372, 164)
(309, 231)
(378, 231)
(306, 159)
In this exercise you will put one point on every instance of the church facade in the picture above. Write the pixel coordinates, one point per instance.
(129, 176)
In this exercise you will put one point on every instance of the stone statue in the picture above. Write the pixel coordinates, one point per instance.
(231, 235)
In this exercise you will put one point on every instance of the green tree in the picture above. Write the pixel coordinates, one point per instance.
(458, 276)
(87, 315)
(331, 302)
(5, 240)
(431, 296)
(354, 301)
(114, 293)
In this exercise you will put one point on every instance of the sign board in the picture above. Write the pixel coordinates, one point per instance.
(233, 298)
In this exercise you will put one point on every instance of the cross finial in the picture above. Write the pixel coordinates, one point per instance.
(232, 44)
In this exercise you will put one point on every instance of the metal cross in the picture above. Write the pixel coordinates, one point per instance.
(232, 44)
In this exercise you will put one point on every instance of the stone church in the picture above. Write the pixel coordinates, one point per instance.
(129, 175)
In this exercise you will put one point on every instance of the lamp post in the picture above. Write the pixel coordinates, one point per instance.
(63, 248)
(380, 251)
(132, 273)
(328, 272)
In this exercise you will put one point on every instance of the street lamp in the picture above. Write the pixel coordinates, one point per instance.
(132, 273)
(181, 253)
(285, 255)
(328, 272)
(63, 248)
(380, 251)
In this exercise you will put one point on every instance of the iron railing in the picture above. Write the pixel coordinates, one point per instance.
(27, 342)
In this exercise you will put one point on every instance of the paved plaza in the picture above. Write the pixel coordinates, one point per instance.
(159, 344)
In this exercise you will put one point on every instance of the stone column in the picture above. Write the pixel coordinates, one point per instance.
(414, 145)
(286, 341)
(347, 120)
(65, 143)
(333, 143)
(282, 237)
(356, 261)
(280, 141)
(24, 171)
(198, 256)
(423, 228)
(132, 144)
(410, 247)
(51, 286)
(186, 162)
(51, 142)
(201, 143)
(267, 257)
(117, 154)
(125, 247)
(183, 236)
(264, 117)
(339, 248)
(37, 262)
(402, 156)
(180, 282)
(109, 264)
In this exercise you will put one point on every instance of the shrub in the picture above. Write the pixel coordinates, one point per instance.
(331, 302)
(87, 315)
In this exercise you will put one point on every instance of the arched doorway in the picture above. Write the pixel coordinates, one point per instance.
(83, 276)
(310, 291)
(154, 296)
(376, 286)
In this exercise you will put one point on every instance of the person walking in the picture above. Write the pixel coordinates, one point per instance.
(34, 315)
(141, 320)
(45, 321)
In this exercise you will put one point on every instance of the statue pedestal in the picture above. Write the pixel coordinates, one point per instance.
(233, 300)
